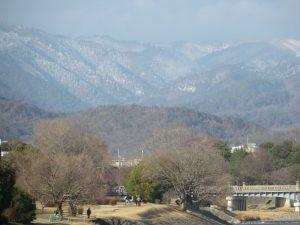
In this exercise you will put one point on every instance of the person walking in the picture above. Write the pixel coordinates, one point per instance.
(138, 201)
(88, 212)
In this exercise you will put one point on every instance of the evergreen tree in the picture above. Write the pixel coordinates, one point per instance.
(7, 181)
(15, 204)
(24, 206)
(139, 186)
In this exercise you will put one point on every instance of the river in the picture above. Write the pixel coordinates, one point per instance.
(272, 222)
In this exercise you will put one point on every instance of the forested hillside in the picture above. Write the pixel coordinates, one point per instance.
(17, 119)
(128, 127)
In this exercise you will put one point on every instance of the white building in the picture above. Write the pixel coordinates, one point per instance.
(125, 163)
(235, 148)
(3, 152)
(249, 147)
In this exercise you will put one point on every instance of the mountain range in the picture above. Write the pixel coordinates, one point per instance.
(128, 127)
(257, 81)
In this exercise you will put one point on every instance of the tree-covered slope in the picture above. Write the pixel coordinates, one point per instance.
(17, 119)
(128, 127)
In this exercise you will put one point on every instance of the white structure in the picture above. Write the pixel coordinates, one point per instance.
(3, 152)
(121, 190)
(249, 147)
(122, 162)
(126, 163)
(235, 148)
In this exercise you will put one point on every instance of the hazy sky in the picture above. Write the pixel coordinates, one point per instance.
(159, 20)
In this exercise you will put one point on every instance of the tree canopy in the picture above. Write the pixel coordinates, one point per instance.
(191, 167)
(67, 163)
(15, 204)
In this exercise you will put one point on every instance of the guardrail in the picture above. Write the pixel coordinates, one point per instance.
(266, 188)
(54, 218)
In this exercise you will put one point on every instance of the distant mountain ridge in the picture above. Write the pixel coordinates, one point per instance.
(17, 119)
(256, 81)
(126, 127)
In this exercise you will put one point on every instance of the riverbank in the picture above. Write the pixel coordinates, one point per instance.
(150, 214)
(277, 214)
(146, 214)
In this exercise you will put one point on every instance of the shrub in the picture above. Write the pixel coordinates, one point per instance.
(24, 206)
(251, 218)
(15, 204)
(7, 181)
(102, 201)
(9, 214)
(148, 189)
(113, 201)
(50, 204)
(80, 210)
(157, 201)
(108, 200)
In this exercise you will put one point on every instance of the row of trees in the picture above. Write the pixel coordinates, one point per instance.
(202, 167)
(64, 164)
(272, 163)
(192, 167)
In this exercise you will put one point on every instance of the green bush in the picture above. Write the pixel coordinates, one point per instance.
(137, 185)
(24, 206)
(15, 204)
(7, 182)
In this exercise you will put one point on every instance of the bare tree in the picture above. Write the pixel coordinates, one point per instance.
(168, 137)
(192, 168)
(68, 165)
(257, 167)
(286, 175)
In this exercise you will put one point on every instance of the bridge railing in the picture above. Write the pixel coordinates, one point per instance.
(265, 188)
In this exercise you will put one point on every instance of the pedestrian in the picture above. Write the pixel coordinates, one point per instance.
(138, 200)
(88, 212)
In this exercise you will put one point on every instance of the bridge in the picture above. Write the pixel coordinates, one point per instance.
(288, 195)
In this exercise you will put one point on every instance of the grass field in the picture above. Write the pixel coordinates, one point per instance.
(154, 213)
(145, 212)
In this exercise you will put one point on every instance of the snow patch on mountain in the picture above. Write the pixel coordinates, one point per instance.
(100, 70)
(195, 51)
(9, 40)
(187, 87)
(292, 45)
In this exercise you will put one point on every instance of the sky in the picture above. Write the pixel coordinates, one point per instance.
(159, 20)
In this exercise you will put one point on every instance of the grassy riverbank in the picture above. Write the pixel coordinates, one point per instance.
(157, 214)
(146, 214)
(282, 213)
